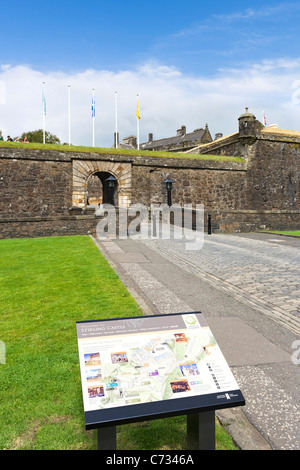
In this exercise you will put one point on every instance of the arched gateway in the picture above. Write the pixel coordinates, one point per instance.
(88, 175)
(99, 191)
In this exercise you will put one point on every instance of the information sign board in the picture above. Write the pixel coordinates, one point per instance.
(152, 366)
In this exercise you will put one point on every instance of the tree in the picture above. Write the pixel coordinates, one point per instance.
(37, 136)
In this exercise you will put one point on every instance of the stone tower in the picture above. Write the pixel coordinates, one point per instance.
(248, 125)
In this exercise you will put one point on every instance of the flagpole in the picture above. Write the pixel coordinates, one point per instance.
(116, 113)
(44, 114)
(138, 117)
(138, 124)
(93, 116)
(69, 112)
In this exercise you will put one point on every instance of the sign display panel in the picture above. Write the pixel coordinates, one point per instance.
(146, 367)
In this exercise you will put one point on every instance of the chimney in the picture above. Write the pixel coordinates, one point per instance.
(116, 140)
(131, 141)
(181, 131)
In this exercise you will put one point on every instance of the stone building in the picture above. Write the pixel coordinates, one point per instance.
(127, 143)
(45, 192)
(181, 142)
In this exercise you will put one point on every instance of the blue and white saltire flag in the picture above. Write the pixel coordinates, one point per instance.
(93, 107)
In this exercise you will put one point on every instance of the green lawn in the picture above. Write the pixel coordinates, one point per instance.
(165, 434)
(46, 285)
(294, 233)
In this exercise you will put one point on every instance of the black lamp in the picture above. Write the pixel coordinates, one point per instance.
(111, 184)
(169, 184)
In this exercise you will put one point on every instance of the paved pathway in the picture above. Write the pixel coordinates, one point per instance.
(263, 273)
(248, 289)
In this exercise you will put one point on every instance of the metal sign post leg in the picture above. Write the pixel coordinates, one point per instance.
(201, 434)
(107, 438)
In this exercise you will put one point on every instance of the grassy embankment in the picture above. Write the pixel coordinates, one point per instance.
(110, 151)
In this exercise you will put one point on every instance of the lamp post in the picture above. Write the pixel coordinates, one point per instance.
(111, 186)
(209, 231)
(169, 185)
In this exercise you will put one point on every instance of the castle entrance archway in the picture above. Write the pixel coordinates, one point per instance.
(91, 175)
(99, 191)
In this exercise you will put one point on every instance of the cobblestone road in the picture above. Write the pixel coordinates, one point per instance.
(265, 274)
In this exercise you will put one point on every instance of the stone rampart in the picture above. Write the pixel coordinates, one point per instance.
(44, 192)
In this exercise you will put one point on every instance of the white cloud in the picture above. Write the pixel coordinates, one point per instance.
(2, 92)
(168, 99)
(240, 18)
(263, 12)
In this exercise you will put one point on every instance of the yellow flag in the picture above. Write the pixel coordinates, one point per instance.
(138, 110)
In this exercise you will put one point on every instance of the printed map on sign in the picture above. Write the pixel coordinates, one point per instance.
(138, 361)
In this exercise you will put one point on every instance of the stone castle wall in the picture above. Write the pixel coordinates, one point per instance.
(31, 186)
(44, 192)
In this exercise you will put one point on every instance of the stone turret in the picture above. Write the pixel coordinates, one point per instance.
(248, 125)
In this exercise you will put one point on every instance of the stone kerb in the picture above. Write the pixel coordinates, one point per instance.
(83, 169)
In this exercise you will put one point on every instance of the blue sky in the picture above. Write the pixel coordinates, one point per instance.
(167, 51)
(195, 36)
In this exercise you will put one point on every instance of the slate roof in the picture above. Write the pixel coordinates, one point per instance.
(184, 140)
